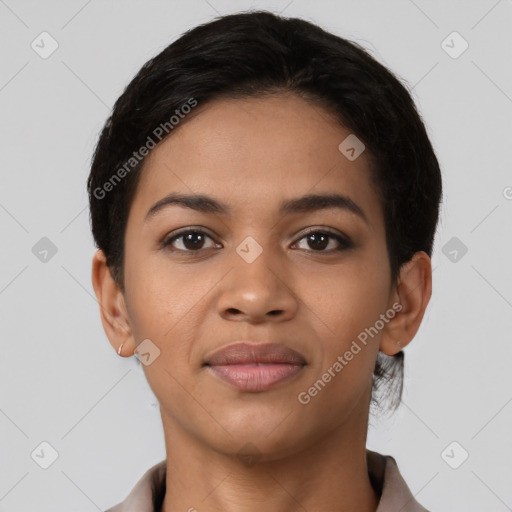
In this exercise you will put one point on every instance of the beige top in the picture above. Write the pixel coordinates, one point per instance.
(395, 496)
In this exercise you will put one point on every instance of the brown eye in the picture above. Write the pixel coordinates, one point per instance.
(319, 240)
(190, 241)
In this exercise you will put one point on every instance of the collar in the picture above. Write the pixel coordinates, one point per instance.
(395, 495)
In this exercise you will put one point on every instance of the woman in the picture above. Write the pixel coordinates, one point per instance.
(264, 200)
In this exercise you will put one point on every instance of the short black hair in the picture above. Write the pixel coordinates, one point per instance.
(255, 54)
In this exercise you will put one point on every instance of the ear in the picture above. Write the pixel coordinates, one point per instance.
(413, 293)
(113, 311)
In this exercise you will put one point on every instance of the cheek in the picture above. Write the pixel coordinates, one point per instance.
(158, 295)
(163, 307)
(346, 359)
(348, 304)
(346, 300)
(168, 304)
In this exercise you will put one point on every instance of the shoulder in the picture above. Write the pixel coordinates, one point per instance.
(389, 483)
(148, 492)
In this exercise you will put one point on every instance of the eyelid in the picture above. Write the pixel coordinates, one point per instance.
(343, 240)
(166, 241)
(324, 229)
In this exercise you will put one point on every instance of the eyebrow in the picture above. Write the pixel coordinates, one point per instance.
(305, 204)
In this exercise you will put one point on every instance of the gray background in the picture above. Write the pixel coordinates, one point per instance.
(61, 381)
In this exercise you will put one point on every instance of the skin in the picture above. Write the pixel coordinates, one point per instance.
(252, 154)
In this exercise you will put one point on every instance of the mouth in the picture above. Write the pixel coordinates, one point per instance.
(255, 367)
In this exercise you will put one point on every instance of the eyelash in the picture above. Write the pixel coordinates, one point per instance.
(345, 243)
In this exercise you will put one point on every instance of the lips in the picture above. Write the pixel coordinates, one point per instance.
(255, 367)
(245, 352)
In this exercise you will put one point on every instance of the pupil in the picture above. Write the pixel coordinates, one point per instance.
(190, 238)
(316, 240)
(323, 243)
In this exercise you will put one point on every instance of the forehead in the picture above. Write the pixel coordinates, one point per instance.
(252, 153)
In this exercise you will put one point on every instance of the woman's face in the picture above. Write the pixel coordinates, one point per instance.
(254, 274)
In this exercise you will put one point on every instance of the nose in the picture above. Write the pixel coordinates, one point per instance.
(258, 292)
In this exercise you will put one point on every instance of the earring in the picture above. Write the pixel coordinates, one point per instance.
(119, 349)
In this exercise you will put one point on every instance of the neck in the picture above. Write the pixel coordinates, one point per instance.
(330, 474)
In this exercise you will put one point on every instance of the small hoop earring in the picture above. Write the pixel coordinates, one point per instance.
(119, 349)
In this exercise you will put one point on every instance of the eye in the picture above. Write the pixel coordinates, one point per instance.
(191, 239)
(320, 239)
